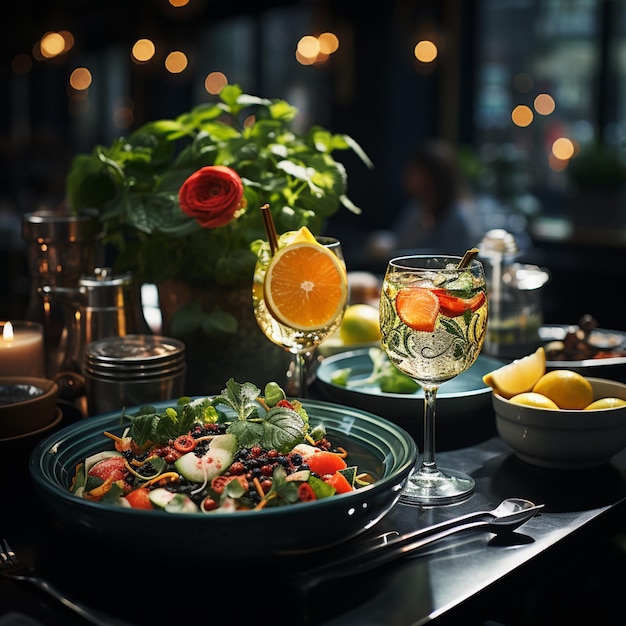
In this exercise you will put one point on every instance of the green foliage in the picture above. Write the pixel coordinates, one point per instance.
(279, 428)
(384, 374)
(134, 184)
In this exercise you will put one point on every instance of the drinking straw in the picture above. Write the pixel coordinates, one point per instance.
(270, 230)
(468, 257)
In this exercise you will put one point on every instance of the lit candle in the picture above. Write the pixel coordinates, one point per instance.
(21, 349)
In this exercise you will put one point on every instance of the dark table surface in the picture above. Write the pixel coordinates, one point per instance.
(469, 578)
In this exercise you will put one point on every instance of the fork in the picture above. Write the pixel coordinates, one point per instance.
(11, 567)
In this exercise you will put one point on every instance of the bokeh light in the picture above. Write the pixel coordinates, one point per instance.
(176, 62)
(563, 148)
(522, 115)
(328, 42)
(312, 50)
(308, 48)
(425, 51)
(143, 50)
(544, 104)
(80, 79)
(68, 38)
(52, 45)
(215, 82)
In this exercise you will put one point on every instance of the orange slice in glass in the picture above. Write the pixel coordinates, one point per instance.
(305, 286)
(418, 308)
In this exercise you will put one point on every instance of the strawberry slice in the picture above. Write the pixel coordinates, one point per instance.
(418, 308)
(452, 306)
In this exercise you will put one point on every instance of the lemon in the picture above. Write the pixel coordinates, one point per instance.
(530, 398)
(569, 389)
(297, 236)
(360, 324)
(605, 403)
(518, 376)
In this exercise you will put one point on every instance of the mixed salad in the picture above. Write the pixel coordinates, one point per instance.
(236, 451)
(384, 374)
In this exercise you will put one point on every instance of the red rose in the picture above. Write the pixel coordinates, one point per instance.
(212, 195)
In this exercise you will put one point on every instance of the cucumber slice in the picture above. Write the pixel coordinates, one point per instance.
(172, 502)
(181, 503)
(160, 497)
(217, 459)
(300, 475)
(226, 441)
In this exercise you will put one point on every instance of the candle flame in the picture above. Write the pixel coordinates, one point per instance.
(7, 333)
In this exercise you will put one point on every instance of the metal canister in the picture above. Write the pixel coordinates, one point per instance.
(101, 305)
(133, 370)
(514, 290)
(60, 247)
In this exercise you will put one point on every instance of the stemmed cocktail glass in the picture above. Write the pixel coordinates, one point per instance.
(290, 326)
(433, 318)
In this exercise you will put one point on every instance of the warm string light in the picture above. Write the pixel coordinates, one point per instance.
(312, 50)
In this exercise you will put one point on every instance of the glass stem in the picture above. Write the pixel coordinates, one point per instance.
(428, 464)
(300, 374)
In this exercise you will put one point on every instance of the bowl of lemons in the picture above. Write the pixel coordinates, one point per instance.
(559, 418)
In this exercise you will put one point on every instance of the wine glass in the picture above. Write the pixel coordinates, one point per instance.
(433, 318)
(301, 344)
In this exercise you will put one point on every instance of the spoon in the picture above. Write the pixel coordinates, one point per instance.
(507, 516)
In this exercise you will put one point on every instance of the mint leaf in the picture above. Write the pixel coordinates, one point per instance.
(241, 398)
(283, 429)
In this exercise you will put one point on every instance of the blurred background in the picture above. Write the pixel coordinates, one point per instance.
(531, 94)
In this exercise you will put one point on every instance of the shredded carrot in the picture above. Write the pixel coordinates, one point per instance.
(171, 476)
(264, 404)
(261, 505)
(114, 437)
(204, 438)
(79, 466)
(342, 452)
(98, 492)
(257, 485)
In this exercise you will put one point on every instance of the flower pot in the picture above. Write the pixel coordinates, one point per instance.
(245, 355)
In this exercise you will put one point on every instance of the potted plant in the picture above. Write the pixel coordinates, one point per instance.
(598, 176)
(180, 202)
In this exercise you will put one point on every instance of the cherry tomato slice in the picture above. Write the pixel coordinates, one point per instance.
(339, 482)
(139, 499)
(306, 493)
(185, 443)
(285, 404)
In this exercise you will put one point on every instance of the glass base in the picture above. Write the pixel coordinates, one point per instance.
(443, 486)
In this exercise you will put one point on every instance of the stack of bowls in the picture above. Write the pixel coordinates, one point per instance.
(27, 406)
(28, 413)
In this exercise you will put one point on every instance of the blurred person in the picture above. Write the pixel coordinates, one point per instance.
(439, 215)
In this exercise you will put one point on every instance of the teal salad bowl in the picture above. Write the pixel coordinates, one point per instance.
(375, 445)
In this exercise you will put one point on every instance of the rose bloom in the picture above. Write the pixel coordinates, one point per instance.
(212, 195)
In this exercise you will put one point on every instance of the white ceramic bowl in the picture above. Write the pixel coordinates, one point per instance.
(564, 439)
(26, 404)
